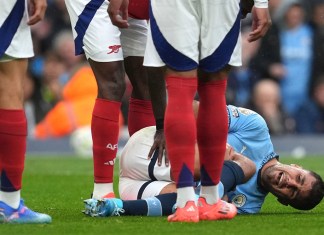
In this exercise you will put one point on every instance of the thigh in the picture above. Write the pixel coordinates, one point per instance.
(94, 34)
(151, 56)
(220, 34)
(15, 39)
(137, 75)
(175, 28)
(133, 39)
(134, 162)
(12, 75)
(130, 189)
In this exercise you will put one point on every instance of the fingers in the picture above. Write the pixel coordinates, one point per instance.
(261, 22)
(229, 152)
(37, 11)
(166, 160)
(161, 156)
(159, 145)
(118, 13)
(258, 33)
(153, 148)
(118, 20)
(255, 35)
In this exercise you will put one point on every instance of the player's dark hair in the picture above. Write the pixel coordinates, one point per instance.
(313, 199)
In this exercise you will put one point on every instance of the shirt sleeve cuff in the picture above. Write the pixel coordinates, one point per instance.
(261, 3)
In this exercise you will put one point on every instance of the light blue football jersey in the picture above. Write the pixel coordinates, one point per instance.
(249, 135)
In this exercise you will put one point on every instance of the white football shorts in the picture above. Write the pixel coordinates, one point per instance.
(186, 35)
(15, 34)
(96, 37)
(141, 177)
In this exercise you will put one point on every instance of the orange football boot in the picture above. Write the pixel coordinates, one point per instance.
(220, 211)
(189, 213)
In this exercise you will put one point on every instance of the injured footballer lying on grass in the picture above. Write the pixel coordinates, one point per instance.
(251, 170)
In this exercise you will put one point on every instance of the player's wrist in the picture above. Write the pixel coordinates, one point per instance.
(159, 123)
(261, 3)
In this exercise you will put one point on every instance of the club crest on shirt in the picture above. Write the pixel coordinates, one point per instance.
(239, 200)
(234, 112)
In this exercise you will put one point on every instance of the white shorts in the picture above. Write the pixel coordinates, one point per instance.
(204, 34)
(141, 177)
(15, 34)
(98, 38)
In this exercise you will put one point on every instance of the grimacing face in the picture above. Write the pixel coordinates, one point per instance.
(287, 181)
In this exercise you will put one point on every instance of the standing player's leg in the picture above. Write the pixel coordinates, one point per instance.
(13, 124)
(140, 113)
(133, 40)
(181, 57)
(105, 124)
(13, 133)
(212, 126)
(13, 130)
(180, 135)
(212, 121)
(99, 40)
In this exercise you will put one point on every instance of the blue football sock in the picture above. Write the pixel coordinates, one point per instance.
(154, 206)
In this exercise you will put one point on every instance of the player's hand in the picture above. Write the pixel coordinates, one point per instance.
(118, 13)
(229, 152)
(37, 9)
(159, 145)
(261, 22)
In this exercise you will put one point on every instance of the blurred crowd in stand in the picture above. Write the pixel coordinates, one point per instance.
(282, 76)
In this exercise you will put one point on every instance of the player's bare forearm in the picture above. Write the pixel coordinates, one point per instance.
(248, 167)
(261, 22)
(37, 9)
(246, 164)
(157, 91)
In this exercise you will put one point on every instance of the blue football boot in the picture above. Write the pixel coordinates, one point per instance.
(22, 215)
(104, 207)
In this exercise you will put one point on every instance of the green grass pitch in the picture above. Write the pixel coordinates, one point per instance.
(58, 186)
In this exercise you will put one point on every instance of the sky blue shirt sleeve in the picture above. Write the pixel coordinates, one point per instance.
(249, 135)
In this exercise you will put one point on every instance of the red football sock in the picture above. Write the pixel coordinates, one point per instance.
(180, 128)
(140, 115)
(13, 133)
(105, 131)
(212, 129)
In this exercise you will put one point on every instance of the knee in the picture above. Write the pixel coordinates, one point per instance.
(219, 75)
(11, 92)
(110, 77)
(112, 88)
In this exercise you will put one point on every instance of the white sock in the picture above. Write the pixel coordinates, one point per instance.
(12, 199)
(210, 193)
(101, 190)
(184, 195)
